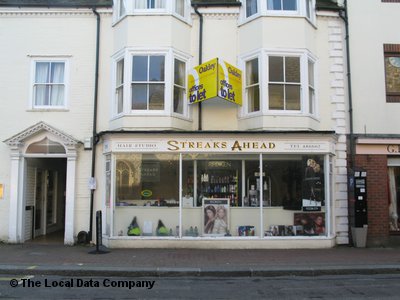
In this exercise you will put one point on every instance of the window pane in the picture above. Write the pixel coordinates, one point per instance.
(179, 94)
(292, 97)
(156, 68)
(139, 68)
(292, 69)
(156, 96)
(276, 68)
(180, 7)
(310, 73)
(392, 65)
(57, 95)
(120, 72)
(274, 4)
(252, 71)
(139, 96)
(253, 96)
(120, 99)
(57, 73)
(311, 97)
(251, 7)
(122, 9)
(276, 96)
(179, 74)
(42, 93)
(289, 4)
(42, 72)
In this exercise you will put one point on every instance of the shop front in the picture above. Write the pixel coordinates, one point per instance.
(380, 158)
(225, 190)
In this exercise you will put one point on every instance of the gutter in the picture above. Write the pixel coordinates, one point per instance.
(343, 13)
(200, 117)
(95, 137)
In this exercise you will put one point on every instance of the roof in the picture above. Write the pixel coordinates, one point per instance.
(57, 3)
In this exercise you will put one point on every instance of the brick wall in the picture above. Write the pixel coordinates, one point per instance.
(377, 197)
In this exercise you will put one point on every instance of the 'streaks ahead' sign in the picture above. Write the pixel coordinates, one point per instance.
(215, 79)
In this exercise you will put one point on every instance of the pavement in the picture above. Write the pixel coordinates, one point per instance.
(57, 259)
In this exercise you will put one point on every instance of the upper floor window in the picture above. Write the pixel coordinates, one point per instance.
(156, 83)
(305, 8)
(49, 85)
(251, 8)
(149, 4)
(282, 5)
(280, 83)
(179, 8)
(392, 72)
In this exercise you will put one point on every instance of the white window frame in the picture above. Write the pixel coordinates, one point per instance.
(49, 59)
(170, 9)
(170, 56)
(262, 10)
(263, 56)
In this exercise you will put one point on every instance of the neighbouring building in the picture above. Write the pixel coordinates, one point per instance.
(375, 134)
(124, 108)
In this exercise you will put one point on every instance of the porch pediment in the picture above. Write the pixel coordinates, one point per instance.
(40, 128)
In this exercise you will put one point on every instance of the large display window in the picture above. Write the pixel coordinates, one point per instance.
(201, 195)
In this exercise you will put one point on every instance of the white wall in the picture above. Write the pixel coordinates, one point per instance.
(372, 24)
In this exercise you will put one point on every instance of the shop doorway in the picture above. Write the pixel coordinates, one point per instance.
(45, 199)
(394, 194)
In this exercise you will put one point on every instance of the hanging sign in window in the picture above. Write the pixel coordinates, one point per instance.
(215, 79)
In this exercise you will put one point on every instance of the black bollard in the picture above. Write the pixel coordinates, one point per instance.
(100, 249)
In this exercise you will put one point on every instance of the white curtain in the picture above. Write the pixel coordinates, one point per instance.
(57, 88)
(148, 4)
(393, 196)
(41, 78)
(159, 4)
(140, 4)
(180, 7)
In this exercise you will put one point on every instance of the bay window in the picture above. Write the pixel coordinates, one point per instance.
(286, 84)
(150, 82)
(303, 8)
(179, 8)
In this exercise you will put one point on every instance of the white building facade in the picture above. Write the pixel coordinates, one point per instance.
(270, 173)
(375, 77)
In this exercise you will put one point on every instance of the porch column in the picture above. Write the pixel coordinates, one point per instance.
(14, 225)
(70, 200)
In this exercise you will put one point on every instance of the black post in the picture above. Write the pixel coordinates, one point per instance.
(100, 249)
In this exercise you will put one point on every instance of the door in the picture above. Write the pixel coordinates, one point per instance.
(45, 201)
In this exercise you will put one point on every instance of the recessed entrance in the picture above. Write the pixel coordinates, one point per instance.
(44, 196)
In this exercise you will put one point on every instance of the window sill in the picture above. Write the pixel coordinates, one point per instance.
(47, 110)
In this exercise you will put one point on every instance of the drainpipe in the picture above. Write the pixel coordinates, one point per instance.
(343, 13)
(95, 137)
(200, 57)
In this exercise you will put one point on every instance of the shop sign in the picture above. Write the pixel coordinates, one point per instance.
(215, 79)
(146, 193)
(224, 145)
(393, 149)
